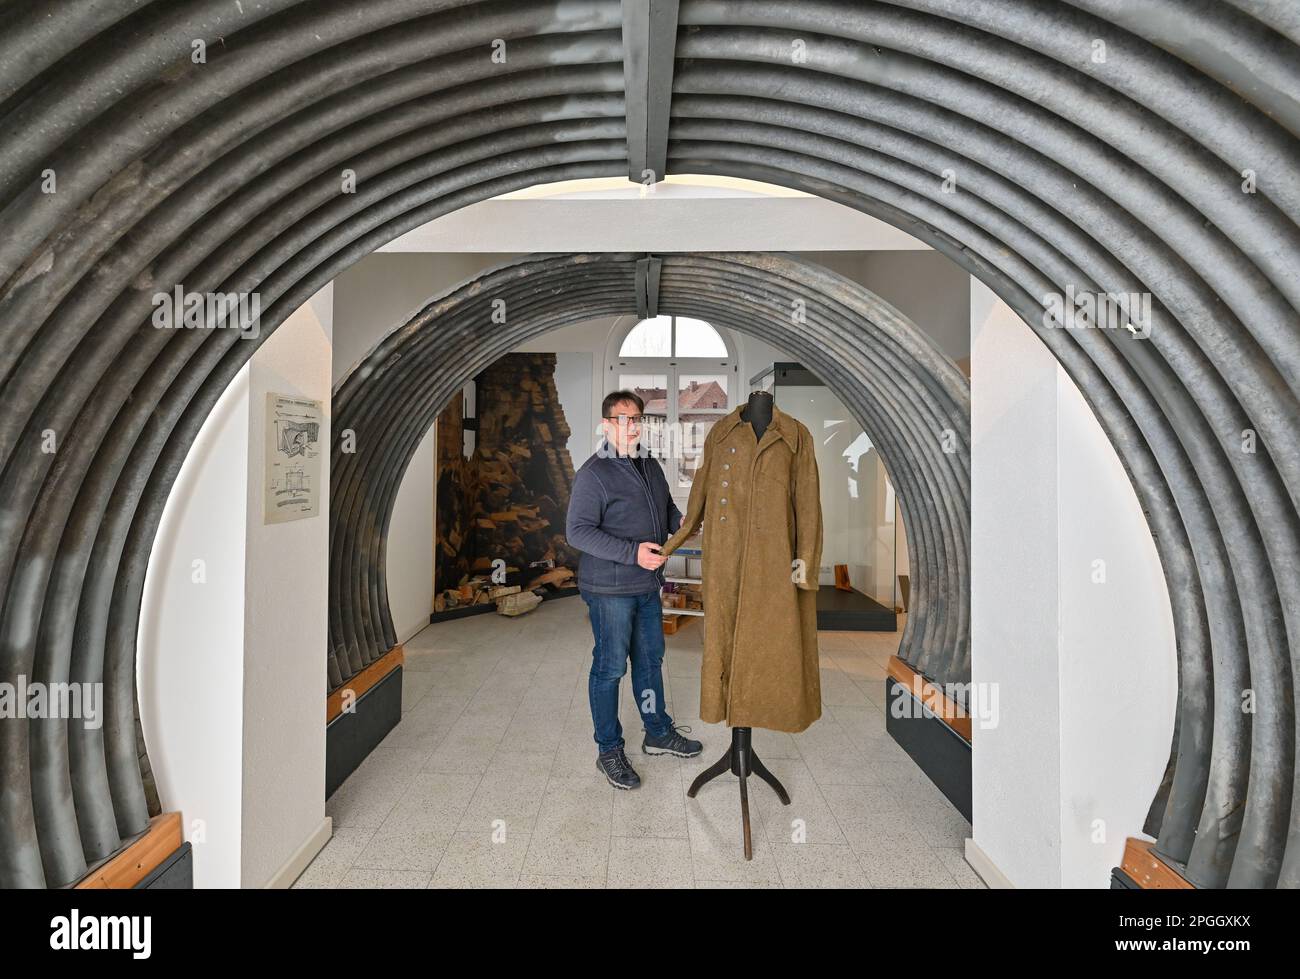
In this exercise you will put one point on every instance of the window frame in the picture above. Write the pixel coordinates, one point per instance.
(673, 367)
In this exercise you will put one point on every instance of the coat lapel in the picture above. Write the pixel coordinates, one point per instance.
(784, 425)
(781, 427)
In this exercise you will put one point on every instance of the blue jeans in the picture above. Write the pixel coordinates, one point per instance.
(626, 626)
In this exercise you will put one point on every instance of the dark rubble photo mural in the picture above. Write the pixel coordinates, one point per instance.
(507, 501)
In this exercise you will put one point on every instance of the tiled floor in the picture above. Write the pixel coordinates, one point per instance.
(490, 778)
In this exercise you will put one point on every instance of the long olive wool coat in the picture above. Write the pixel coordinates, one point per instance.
(761, 510)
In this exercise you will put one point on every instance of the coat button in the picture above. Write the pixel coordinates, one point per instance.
(723, 518)
(726, 465)
(725, 483)
(732, 449)
(723, 501)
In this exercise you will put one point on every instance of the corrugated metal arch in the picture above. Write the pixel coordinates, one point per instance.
(912, 400)
(1045, 146)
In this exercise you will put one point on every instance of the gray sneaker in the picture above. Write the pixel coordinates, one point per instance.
(672, 743)
(618, 770)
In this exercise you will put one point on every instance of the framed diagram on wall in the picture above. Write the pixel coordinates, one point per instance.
(292, 478)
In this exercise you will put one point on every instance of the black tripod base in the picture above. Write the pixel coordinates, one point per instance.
(742, 762)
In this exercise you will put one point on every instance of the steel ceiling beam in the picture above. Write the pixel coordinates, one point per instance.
(649, 42)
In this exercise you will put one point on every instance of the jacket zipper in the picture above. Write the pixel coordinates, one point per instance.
(645, 489)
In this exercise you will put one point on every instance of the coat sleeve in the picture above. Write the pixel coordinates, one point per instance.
(582, 523)
(807, 513)
(690, 522)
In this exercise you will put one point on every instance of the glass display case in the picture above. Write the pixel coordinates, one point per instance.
(860, 517)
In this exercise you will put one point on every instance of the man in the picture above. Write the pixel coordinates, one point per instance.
(620, 511)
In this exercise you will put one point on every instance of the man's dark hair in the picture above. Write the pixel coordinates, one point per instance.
(614, 397)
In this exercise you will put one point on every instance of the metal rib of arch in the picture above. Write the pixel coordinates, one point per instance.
(1146, 165)
(912, 401)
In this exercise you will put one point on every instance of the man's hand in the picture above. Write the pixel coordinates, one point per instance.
(648, 556)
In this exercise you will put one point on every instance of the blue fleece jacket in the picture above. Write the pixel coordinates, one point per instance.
(612, 510)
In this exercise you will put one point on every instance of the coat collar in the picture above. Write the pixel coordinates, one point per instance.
(781, 423)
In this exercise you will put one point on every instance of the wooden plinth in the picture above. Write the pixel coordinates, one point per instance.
(363, 681)
(139, 859)
(932, 697)
(1148, 871)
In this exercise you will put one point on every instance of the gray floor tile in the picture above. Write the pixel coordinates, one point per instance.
(335, 858)
(809, 865)
(555, 882)
(408, 842)
(648, 862)
(368, 878)
(482, 859)
(552, 856)
(496, 737)
(954, 860)
(889, 864)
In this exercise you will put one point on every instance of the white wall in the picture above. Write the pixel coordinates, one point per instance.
(576, 345)
(370, 300)
(380, 292)
(286, 620)
(685, 213)
(757, 355)
(190, 648)
(231, 662)
(1119, 669)
(884, 537)
(902, 560)
(853, 492)
(1085, 672)
(574, 376)
(411, 542)
(926, 286)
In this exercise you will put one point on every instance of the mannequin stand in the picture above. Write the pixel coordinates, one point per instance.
(741, 759)
(743, 762)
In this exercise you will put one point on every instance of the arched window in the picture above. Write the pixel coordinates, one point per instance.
(696, 363)
(669, 336)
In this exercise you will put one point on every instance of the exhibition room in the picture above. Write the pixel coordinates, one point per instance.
(649, 445)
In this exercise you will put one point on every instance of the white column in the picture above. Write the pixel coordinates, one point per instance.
(1070, 621)
(233, 630)
(285, 624)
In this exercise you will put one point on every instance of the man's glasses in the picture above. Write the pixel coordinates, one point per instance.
(626, 419)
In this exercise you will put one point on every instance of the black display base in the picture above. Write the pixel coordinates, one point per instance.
(1120, 881)
(937, 749)
(460, 613)
(742, 761)
(852, 611)
(176, 873)
(350, 737)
